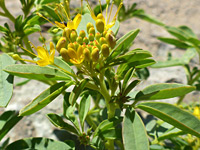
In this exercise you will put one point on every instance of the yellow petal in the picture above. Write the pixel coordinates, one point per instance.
(72, 53)
(70, 25)
(110, 25)
(80, 51)
(43, 62)
(42, 52)
(77, 20)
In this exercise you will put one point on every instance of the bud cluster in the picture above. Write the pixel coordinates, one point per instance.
(78, 48)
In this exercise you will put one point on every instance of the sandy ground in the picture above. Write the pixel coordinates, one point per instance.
(171, 12)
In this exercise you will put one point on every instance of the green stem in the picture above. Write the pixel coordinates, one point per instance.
(180, 100)
(6, 12)
(28, 46)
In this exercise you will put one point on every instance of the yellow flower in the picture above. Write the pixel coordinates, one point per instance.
(44, 57)
(76, 57)
(196, 112)
(106, 19)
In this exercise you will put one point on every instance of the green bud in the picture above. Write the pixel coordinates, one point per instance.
(102, 41)
(97, 36)
(91, 43)
(89, 25)
(76, 45)
(89, 47)
(86, 53)
(96, 43)
(82, 33)
(104, 33)
(111, 40)
(64, 54)
(85, 40)
(16, 57)
(55, 30)
(105, 50)
(79, 40)
(92, 30)
(91, 37)
(95, 54)
(61, 43)
(100, 25)
(73, 36)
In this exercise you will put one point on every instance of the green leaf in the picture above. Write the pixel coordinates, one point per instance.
(111, 134)
(178, 33)
(122, 69)
(51, 12)
(173, 115)
(170, 133)
(19, 24)
(6, 80)
(164, 91)
(44, 98)
(131, 86)
(99, 8)
(7, 121)
(174, 42)
(58, 122)
(84, 107)
(127, 78)
(185, 59)
(142, 15)
(188, 31)
(122, 44)
(107, 124)
(39, 144)
(77, 91)
(2, 29)
(36, 72)
(31, 30)
(133, 132)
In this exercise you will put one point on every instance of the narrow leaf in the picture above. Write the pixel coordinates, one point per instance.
(6, 80)
(84, 108)
(164, 91)
(127, 78)
(133, 132)
(36, 72)
(44, 98)
(59, 123)
(77, 91)
(39, 144)
(173, 115)
(7, 121)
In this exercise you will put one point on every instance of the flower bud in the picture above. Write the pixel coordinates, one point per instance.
(104, 33)
(89, 47)
(95, 54)
(100, 25)
(82, 33)
(105, 50)
(91, 43)
(89, 25)
(86, 53)
(64, 54)
(66, 32)
(92, 30)
(71, 45)
(61, 43)
(91, 37)
(111, 40)
(71, 53)
(79, 40)
(73, 36)
(55, 30)
(97, 36)
(96, 43)
(16, 57)
(76, 45)
(102, 41)
(85, 40)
